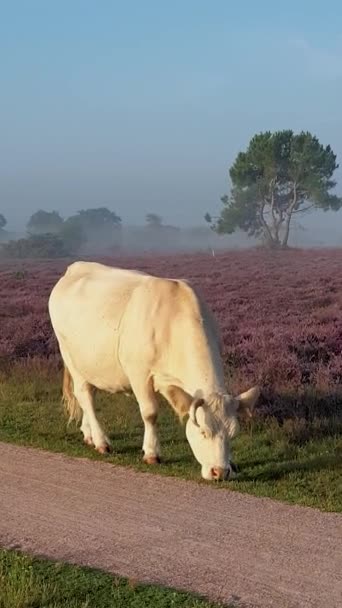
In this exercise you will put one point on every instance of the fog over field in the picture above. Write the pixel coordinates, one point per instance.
(142, 108)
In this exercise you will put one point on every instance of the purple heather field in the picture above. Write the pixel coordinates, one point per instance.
(280, 316)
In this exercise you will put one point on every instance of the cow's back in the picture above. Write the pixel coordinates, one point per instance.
(86, 308)
(116, 327)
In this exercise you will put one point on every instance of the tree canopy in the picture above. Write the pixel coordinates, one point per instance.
(97, 227)
(43, 222)
(153, 220)
(98, 217)
(3, 221)
(280, 174)
(73, 234)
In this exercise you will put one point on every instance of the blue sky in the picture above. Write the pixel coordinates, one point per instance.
(142, 105)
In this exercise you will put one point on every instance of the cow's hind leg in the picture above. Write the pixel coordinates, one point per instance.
(90, 424)
(86, 430)
(149, 408)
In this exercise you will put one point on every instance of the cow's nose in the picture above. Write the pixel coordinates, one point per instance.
(218, 473)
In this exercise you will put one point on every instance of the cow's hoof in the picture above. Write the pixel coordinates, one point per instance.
(104, 449)
(151, 460)
(88, 441)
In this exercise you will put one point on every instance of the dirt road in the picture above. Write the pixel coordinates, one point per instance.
(225, 545)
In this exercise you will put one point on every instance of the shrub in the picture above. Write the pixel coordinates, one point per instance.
(36, 246)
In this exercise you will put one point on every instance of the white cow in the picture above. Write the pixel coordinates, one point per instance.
(119, 330)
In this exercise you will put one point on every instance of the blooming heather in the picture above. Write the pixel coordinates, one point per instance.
(280, 316)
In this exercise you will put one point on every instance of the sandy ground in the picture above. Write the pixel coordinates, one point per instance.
(224, 545)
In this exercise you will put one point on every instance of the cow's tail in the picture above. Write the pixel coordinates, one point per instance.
(71, 405)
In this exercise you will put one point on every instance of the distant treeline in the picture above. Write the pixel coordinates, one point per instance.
(99, 230)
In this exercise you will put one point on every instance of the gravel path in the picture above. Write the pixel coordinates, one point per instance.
(227, 546)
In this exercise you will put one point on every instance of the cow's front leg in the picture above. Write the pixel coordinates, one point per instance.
(149, 408)
(151, 446)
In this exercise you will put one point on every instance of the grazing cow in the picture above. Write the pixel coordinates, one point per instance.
(122, 330)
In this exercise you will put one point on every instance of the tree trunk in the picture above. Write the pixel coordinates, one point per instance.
(275, 221)
(271, 241)
(289, 216)
(276, 227)
(287, 231)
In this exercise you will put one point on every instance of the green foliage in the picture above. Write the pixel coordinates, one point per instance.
(279, 175)
(3, 221)
(36, 246)
(44, 222)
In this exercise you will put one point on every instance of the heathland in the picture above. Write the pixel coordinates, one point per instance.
(280, 315)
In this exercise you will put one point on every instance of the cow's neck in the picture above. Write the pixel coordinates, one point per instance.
(199, 366)
(204, 372)
(191, 354)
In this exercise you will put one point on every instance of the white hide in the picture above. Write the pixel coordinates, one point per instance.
(121, 329)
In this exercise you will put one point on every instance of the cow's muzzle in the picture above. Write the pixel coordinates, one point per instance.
(221, 474)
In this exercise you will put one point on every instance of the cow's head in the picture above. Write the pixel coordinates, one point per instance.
(211, 425)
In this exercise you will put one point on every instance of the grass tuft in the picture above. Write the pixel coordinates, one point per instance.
(27, 582)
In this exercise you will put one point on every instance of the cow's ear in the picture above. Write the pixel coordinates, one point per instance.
(179, 399)
(246, 402)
